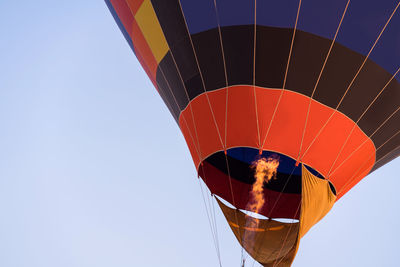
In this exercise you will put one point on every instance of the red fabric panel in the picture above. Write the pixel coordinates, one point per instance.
(144, 54)
(218, 182)
(134, 5)
(142, 48)
(124, 14)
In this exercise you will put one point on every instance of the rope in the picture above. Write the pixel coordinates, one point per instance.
(362, 115)
(201, 75)
(286, 72)
(350, 180)
(320, 75)
(354, 78)
(214, 232)
(226, 117)
(254, 70)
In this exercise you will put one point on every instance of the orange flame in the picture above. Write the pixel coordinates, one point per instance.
(265, 171)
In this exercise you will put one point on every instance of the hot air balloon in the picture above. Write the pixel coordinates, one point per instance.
(310, 84)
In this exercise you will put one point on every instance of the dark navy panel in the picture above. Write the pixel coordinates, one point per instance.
(120, 25)
(321, 17)
(200, 15)
(363, 23)
(287, 165)
(235, 12)
(387, 50)
(280, 13)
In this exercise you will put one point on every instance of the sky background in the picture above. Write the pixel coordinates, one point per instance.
(95, 172)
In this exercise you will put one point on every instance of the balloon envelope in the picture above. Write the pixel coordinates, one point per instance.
(312, 82)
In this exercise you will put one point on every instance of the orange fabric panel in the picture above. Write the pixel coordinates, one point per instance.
(356, 139)
(352, 181)
(287, 126)
(242, 124)
(349, 172)
(186, 125)
(142, 48)
(217, 103)
(134, 5)
(317, 200)
(202, 127)
(318, 115)
(286, 129)
(266, 102)
(330, 139)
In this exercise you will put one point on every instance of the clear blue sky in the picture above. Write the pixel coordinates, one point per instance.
(95, 172)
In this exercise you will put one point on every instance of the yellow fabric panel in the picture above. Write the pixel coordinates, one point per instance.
(149, 25)
(316, 201)
(269, 242)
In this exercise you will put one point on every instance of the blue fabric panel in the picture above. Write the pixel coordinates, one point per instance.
(363, 23)
(249, 155)
(200, 15)
(277, 13)
(321, 17)
(286, 164)
(387, 51)
(120, 25)
(235, 12)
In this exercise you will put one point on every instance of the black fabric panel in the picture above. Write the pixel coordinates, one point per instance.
(306, 62)
(238, 43)
(340, 69)
(185, 59)
(170, 105)
(365, 88)
(273, 46)
(209, 54)
(382, 108)
(388, 147)
(385, 159)
(389, 129)
(171, 20)
(168, 67)
(166, 95)
(387, 141)
(241, 171)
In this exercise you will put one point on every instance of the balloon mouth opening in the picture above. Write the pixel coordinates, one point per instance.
(232, 177)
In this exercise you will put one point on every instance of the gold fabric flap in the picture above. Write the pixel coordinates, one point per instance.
(316, 201)
(269, 242)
